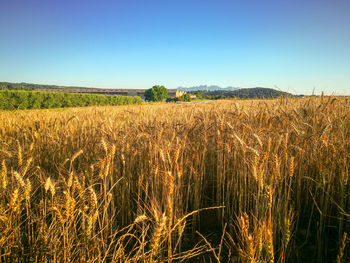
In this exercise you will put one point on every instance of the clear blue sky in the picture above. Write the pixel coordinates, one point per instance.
(294, 45)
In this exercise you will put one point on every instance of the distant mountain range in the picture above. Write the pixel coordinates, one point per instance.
(206, 88)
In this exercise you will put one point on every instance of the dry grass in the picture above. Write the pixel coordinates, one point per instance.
(132, 184)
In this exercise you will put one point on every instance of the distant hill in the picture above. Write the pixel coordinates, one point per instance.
(31, 86)
(15, 86)
(247, 93)
(206, 88)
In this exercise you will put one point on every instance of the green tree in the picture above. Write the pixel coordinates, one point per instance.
(199, 94)
(186, 97)
(156, 93)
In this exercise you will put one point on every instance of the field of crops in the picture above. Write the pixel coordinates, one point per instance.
(228, 181)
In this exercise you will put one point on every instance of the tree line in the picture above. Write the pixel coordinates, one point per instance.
(241, 93)
(19, 99)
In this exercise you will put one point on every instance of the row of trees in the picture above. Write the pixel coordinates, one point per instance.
(10, 100)
(159, 93)
(12, 97)
(241, 93)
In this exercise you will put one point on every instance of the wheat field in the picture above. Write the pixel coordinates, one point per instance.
(228, 181)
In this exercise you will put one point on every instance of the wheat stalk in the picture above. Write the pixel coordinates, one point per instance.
(3, 175)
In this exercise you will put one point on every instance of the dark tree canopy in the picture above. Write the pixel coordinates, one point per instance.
(186, 97)
(242, 93)
(156, 93)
